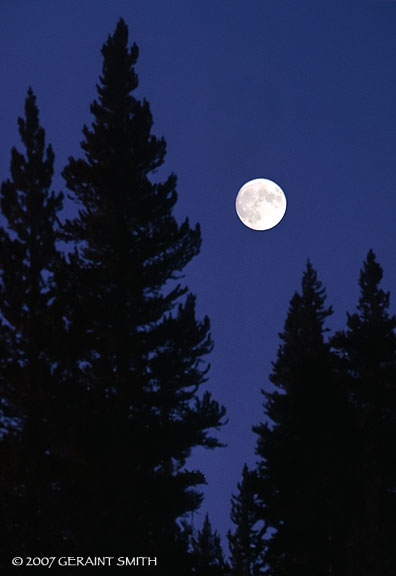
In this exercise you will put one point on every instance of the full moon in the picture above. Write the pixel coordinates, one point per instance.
(260, 204)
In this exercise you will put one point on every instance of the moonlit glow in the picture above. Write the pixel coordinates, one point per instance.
(260, 204)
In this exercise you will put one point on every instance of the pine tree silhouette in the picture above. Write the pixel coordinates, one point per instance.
(139, 346)
(368, 356)
(247, 542)
(207, 554)
(300, 445)
(28, 262)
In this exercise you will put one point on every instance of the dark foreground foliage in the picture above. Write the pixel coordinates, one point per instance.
(103, 355)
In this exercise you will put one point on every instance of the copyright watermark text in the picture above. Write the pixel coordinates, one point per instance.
(63, 561)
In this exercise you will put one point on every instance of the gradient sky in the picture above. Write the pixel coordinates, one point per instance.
(301, 92)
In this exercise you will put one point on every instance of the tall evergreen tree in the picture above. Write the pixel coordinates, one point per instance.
(300, 446)
(368, 354)
(247, 540)
(28, 258)
(207, 554)
(140, 347)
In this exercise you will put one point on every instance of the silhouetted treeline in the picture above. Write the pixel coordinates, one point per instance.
(102, 359)
(321, 499)
(102, 355)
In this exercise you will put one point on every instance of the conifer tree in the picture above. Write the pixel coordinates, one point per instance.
(140, 346)
(368, 354)
(300, 445)
(207, 554)
(28, 259)
(247, 541)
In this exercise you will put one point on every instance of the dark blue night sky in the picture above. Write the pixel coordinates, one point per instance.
(303, 93)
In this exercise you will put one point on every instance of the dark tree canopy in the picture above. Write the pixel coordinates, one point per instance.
(28, 252)
(102, 354)
(207, 555)
(140, 346)
(367, 351)
(30, 324)
(247, 542)
(300, 444)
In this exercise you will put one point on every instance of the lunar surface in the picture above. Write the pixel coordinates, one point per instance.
(260, 204)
